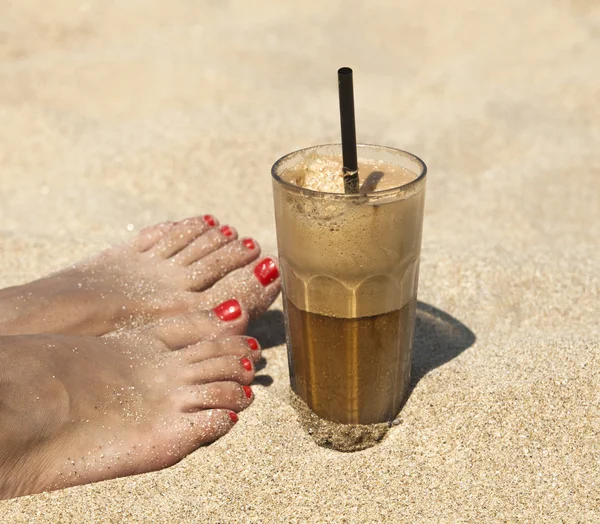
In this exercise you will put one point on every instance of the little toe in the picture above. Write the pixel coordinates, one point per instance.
(228, 368)
(215, 395)
(181, 234)
(149, 236)
(214, 266)
(226, 319)
(192, 430)
(256, 286)
(206, 243)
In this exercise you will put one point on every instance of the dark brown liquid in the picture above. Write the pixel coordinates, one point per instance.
(351, 370)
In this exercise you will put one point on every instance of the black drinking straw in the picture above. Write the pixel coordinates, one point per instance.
(348, 130)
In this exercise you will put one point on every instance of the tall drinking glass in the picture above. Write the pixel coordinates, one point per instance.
(350, 266)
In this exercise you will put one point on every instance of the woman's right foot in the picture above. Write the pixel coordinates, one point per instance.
(168, 269)
(76, 410)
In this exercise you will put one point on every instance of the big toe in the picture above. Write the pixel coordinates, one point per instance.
(225, 319)
(256, 285)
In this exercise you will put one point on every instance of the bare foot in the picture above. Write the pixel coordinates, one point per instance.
(167, 270)
(76, 410)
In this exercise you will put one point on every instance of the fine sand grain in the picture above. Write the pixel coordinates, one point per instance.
(115, 115)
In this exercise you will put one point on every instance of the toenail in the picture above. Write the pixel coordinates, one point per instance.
(266, 271)
(249, 243)
(226, 230)
(252, 343)
(247, 391)
(246, 363)
(228, 310)
(210, 220)
(233, 417)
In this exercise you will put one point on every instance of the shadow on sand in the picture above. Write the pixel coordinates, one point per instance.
(439, 338)
(269, 330)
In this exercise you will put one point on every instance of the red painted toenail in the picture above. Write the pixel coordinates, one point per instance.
(247, 391)
(246, 363)
(252, 343)
(226, 230)
(210, 220)
(233, 417)
(266, 271)
(249, 243)
(228, 310)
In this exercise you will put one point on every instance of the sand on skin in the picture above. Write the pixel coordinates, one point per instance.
(114, 117)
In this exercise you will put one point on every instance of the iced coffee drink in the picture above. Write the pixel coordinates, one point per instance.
(350, 265)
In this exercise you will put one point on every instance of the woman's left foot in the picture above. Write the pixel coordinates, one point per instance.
(82, 409)
(168, 269)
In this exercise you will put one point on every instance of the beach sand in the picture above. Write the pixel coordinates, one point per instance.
(118, 115)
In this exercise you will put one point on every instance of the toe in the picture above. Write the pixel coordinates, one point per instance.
(216, 395)
(238, 346)
(226, 319)
(192, 430)
(256, 286)
(216, 265)
(206, 243)
(181, 234)
(240, 370)
(149, 236)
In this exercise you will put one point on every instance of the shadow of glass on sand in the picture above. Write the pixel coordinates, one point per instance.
(269, 330)
(439, 338)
